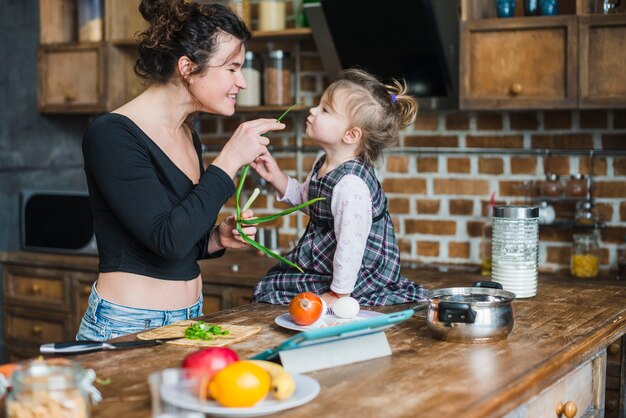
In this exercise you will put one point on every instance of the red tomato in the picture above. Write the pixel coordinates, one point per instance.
(209, 361)
(306, 308)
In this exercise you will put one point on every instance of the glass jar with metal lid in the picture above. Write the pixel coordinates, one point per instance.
(277, 83)
(515, 248)
(51, 388)
(251, 71)
(585, 260)
(552, 187)
(577, 185)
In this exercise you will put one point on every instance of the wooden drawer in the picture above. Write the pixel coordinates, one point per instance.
(519, 64)
(217, 297)
(37, 287)
(71, 78)
(583, 386)
(36, 327)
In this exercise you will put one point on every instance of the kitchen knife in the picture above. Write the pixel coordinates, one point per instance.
(79, 347)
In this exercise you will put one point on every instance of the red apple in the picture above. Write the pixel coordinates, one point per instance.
(209, 361)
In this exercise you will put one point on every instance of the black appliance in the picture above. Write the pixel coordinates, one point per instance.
(57, 221)
(417, 40)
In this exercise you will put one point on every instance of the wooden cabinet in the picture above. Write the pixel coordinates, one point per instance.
(87, 77)
(573, 60)
(602, 59)
(581, 390)
(46, 295)
(39, 305)
(97, 77)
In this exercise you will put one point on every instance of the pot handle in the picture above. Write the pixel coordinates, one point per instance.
(456, 312)
(492, 285)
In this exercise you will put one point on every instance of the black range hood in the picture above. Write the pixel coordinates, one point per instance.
(416, 40)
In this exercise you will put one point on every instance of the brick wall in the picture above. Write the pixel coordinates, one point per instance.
(440, 178)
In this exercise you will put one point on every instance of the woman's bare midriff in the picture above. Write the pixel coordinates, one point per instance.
(145, 292)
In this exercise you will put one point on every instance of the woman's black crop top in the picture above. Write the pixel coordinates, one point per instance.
(149, 217)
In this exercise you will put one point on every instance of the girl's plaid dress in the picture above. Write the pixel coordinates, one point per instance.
(379, 280)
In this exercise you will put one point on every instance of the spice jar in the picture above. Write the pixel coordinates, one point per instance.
(577, 185)
(90, 20)
(585, 261)
(272, 15)
(277, 79)
(586, 214)
(51, 388)
(241, 8)
(251, 71)
(552, 187)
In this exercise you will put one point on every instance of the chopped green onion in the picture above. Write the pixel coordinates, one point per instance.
(203, 331)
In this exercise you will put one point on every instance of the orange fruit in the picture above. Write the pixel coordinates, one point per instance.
(240, 384)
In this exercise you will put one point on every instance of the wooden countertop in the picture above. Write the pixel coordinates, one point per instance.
(568, 323)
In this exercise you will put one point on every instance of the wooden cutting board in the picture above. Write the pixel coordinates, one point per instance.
(237, 333)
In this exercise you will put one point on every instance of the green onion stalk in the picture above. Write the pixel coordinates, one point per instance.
(255, 221)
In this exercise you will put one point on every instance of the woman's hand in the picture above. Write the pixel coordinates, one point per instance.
(225, 235)
(265, 165)
(246, 144)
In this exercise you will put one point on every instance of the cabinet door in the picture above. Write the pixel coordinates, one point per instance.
(123, 20)
(519, 63)
(71, 78)
(603, 61)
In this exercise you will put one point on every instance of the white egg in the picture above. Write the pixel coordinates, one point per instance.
(346, 307)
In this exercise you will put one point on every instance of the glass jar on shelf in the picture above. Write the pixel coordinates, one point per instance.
(277, 78)
(552, 187)
(585, 260)
(90, 23)
(586, 214)
(577, 185)
(272, 15)
(251, 71)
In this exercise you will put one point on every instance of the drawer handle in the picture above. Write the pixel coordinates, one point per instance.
(35, 289)
(37, 330)
(614, 348)
(569, 409)
(234, 268)
(70, 97)
(515, 89)
(86, 290)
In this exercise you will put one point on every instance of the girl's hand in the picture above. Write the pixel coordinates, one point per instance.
(265, 165)
(329, 298)
(246, 144)
(225, 235)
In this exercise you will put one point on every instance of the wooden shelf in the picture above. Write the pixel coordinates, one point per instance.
(291, 34)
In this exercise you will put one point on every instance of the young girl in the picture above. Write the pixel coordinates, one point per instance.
(349, 247)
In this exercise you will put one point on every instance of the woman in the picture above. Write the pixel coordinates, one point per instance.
(154, 204)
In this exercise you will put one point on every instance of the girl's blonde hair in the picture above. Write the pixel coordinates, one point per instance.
(379, 110)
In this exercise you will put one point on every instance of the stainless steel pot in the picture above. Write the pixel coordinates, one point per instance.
(476, 314)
